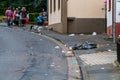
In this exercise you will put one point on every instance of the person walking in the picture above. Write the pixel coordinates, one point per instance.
(23, 15)
(9, 15)
(40, 19)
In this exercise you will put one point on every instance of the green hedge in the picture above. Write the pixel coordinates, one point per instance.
(1, 17)
(33, 17)
(2, 11)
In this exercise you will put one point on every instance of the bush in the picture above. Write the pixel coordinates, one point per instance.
(1, 17)
(33, 17)
(2, 11)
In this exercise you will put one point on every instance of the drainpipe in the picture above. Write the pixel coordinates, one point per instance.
(105, 2)
(47, 9)
(114, 21)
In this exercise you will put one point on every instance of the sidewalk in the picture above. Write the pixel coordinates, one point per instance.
(95, 64)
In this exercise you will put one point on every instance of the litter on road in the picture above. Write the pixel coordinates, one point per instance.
(102, 68)
(41, 39)
(63, 51)
(57, 47)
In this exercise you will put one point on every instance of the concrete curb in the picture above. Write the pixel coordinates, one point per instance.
(83, 71)
(73, 66)
(116, 63)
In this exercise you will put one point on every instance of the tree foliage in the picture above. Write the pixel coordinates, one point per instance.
(2, 7)
(31, 5)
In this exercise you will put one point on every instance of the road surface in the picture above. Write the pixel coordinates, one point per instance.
(29, 56)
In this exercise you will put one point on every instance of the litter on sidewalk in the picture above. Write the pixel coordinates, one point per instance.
(84, 45)
(72, 35)
(94, 33)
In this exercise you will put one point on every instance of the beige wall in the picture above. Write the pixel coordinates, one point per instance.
(88, 16)
(86, 8)
(55, 16)
(85, 13)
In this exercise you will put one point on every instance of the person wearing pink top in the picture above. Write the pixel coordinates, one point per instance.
(14, 17)
(9, 15)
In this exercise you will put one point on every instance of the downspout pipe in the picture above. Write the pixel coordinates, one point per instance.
(114, 21)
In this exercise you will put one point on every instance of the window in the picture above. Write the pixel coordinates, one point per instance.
(50, 6)
(109, 5)
(58, 4)
(54, 5)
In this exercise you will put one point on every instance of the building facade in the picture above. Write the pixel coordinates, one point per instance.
(113, 18)
(79, 16)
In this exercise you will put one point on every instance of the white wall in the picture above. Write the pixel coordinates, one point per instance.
(55, 16)
(109, 15)
(118, 11)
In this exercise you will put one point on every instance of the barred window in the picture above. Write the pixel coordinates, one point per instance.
(58, 4)
(54, 5)
(50, 6)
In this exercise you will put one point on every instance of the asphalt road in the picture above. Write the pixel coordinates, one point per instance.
(29, 56)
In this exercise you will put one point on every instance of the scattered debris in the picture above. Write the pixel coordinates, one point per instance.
(77, 71)
(94, 33)
(46, 74)
(36, 28)
(70, 48)
(40, 28)
(72, 35)
(69, 53)
(52, 65)
(57, 47)
(41, 39)
(31, 47)
(84, 45)
(63, 51)
(109, 50)
(74, 62)
(65, 45)
(39, 34)
(81, 34)
(103, 68)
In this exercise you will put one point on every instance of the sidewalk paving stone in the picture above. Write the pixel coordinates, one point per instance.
(99, 58)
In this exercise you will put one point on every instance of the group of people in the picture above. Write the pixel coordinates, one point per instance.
(20, 16)
(17, 16)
